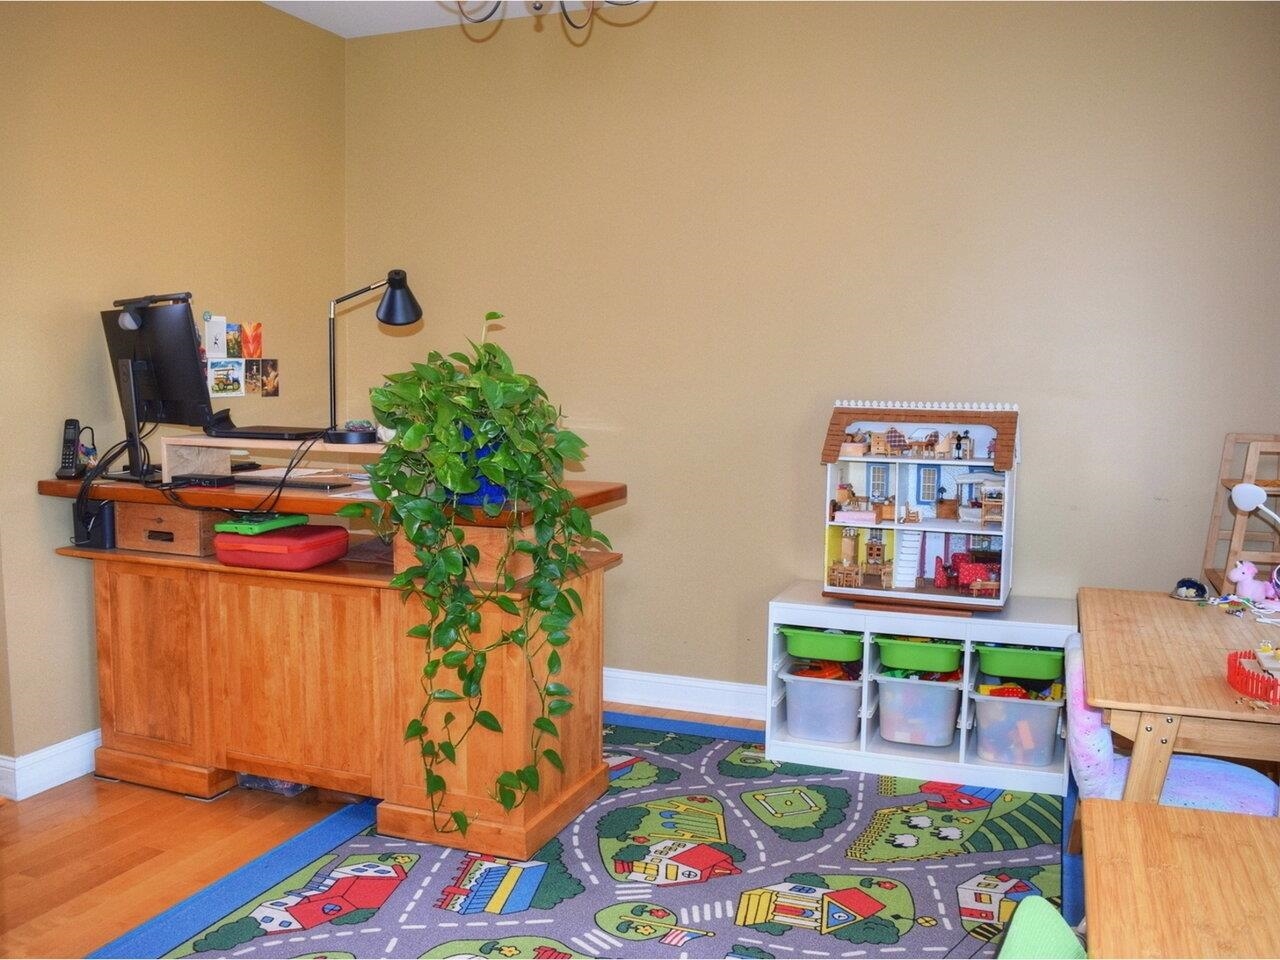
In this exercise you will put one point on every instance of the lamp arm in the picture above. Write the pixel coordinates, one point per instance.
(333, 373)
(1269, 514)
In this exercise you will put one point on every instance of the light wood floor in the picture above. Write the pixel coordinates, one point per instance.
(85, 862)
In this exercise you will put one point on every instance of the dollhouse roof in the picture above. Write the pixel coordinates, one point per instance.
(1003, 418)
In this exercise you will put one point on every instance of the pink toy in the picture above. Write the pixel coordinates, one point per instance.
(1246, 587)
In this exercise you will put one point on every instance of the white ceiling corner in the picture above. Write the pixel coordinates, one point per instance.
(367, 18)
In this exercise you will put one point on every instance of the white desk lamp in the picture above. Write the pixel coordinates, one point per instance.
(1248, 497)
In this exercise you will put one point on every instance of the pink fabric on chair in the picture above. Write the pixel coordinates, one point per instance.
(967, 572)
(1201, 782)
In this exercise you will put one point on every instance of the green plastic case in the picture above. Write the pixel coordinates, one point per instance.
(919, 653)
(815, 644)
(252, 525)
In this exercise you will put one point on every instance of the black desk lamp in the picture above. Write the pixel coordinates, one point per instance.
(398, 308)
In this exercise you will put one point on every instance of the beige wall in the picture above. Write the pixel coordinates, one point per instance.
(703, 228)
(145, 148)
(707, 226)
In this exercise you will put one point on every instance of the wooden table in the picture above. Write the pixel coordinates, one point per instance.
(1158, 666)
(1176, 882)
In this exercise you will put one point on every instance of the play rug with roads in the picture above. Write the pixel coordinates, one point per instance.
(700, 848)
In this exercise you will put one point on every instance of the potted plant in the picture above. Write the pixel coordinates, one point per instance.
(476, 442)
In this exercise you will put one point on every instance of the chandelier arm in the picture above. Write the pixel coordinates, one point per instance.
(564, 12)
(488, 16)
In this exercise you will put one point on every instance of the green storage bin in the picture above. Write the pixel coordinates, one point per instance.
(1023, 663)
(919, 653)
(814, 644)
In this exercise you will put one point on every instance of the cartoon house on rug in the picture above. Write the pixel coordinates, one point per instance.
(799, 905)
(992, 897)
(919, 505)
(487, 884)
(672, 862)
(357, 886)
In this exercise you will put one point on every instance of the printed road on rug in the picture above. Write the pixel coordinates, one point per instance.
(700, 848)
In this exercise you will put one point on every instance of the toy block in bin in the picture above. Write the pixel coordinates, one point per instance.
(822, 709)
(918, 711)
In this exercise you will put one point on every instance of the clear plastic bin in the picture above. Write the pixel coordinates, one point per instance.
(918, 711)
(1022, 732)
(821, 709)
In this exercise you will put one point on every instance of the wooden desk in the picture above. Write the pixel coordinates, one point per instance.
(1175, 882)
(205, 670)
(1158, 666)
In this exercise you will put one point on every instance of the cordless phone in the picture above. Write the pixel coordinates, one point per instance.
(69, 467)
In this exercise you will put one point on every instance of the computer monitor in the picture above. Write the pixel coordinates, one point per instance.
(155, 361)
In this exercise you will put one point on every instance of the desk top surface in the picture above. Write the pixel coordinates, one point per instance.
(588, 494)
(1175, 882)
(1148, 651)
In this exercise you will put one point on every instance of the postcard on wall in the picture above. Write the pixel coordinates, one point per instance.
(215, 337)
(226, 378)
(271, 378)
(251, 340)
(253, 378)
(233, 340)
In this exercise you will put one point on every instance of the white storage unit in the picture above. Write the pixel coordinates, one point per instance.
(1024, 621)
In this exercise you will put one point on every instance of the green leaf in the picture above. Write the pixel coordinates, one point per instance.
(507, 605)
(455, 657)
(488, 721)
(353, 510)
(558, 690)
(415, 438)
(448, 751)
(553, 758)
(460, 820)
(557, 708)
(447, 696)
(435, 783)
(414, 729)
(508, 779)
(492, 315)
(507, 798)
(546, 725)
(553, 663)
(529, 777)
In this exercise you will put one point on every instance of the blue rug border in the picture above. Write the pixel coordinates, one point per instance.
(156, 937)
(718, 731)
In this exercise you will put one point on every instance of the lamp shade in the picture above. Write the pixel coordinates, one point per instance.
(399, 307)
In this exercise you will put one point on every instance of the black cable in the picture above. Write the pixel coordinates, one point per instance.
(564, 12)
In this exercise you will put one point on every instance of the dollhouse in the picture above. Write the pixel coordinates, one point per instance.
(919, 505)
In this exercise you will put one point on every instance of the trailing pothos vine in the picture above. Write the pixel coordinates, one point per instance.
(468, 427)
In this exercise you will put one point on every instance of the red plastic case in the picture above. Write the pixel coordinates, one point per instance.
(291, 548)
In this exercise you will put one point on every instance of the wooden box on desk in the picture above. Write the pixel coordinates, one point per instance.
(166, 529)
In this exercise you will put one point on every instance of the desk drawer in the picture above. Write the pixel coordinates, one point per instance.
(162, 528)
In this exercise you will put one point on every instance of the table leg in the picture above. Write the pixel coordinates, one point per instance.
(1152, 749)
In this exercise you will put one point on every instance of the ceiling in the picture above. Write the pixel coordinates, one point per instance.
(365, 18)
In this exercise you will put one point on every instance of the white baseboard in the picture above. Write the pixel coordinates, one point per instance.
(32, 773)
(721, 698)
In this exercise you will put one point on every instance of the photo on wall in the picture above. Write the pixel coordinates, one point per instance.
(226, 378)
(215, 337)
(253, 378)
(251, 341)
(233, 340)
(270, 378)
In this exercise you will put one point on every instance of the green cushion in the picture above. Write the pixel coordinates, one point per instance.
(1038, 932)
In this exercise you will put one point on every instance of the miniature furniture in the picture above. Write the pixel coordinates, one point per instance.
(1246, 458)
(915, 453)
(1202, 782)
(1024, 621)
(1157, 666)
(206, 670)
(1038, 932)
(1147, 866)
